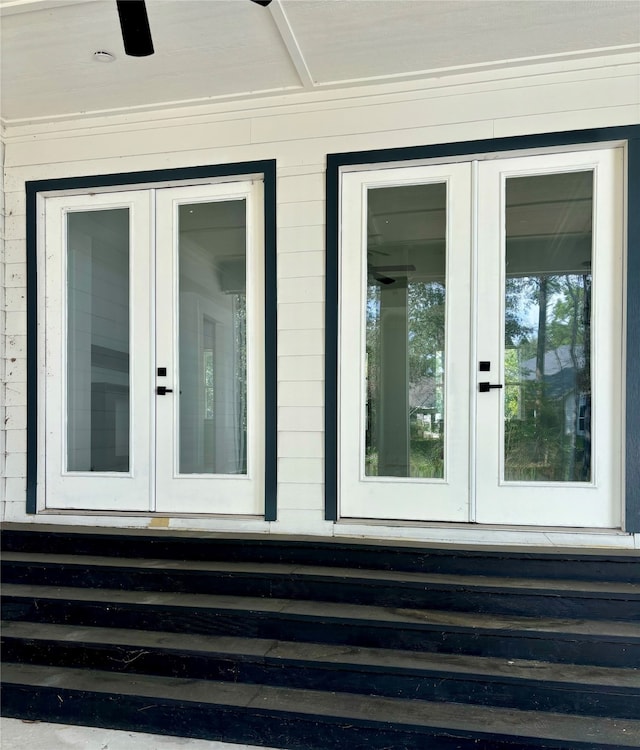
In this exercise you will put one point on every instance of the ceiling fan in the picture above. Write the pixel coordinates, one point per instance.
(134, 24)
(376, 273)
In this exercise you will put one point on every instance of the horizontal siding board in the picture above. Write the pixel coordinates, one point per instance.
(15, 441)
(300, 265)
(15, 347)
(15, 251)
(311, 186)
(303, 289)
(15, 418)
(300, 470)
(15, 228)
(405, 134)
(300, 445)
(16, 323)
(15, 465)
(16, 370)
(304, 315)
(301, 367)
(15, 204)
(300, 418)
(15, 488)
(300, 343)
(300, 497)
(183, 156)
(152, 140)
(293, 152)
(15, 298)
(15, 275)
(297, 170)
(300, 393)
(301, 239)
(15, 394)
(301, 214)
(450, 109)
(575, 120)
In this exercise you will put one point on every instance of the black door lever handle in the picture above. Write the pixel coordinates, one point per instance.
(162, 390)
(486, 387)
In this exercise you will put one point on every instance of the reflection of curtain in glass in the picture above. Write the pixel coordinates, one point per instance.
(98, 340)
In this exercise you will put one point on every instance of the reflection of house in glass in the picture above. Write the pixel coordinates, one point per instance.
(548, 433)
(425, 407)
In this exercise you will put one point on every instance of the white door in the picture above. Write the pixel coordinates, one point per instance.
(481, 341)
(96, 335)
(404, 343)
(549, 321)
(154, 366)
(210, 303)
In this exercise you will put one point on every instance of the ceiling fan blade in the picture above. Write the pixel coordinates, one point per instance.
(134, 24)
(386, 280)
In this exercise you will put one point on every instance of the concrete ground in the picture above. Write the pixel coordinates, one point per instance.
(16, 734)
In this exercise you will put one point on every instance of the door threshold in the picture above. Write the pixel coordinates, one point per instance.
(148, 514)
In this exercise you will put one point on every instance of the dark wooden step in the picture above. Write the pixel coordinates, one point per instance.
(290, 718)
(525, 685)
(599, 643)
(528, 597)
(606, 565)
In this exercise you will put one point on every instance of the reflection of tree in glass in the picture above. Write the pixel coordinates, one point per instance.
(548, 378)
(426, 346)
(373, 378)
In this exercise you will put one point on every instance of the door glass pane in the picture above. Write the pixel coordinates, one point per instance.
(212, 348)
(547, 397)
(98, 403)
(405, 331)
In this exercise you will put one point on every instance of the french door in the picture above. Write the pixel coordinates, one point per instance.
(154, 370)
(481, 341)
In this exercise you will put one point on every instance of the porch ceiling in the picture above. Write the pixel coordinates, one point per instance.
(208, 50)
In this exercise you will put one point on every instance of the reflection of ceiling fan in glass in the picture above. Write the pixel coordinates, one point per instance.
(377, 273)
(134, 24)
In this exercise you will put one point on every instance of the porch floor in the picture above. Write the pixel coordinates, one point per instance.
(42, 735)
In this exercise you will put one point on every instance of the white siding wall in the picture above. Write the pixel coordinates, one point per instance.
(298, 131)
(3, 330)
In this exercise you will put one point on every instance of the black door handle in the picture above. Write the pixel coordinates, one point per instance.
(486, 387)
(162, 390)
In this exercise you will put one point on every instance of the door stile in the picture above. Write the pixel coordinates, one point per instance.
(153, 335)
(473, 341)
